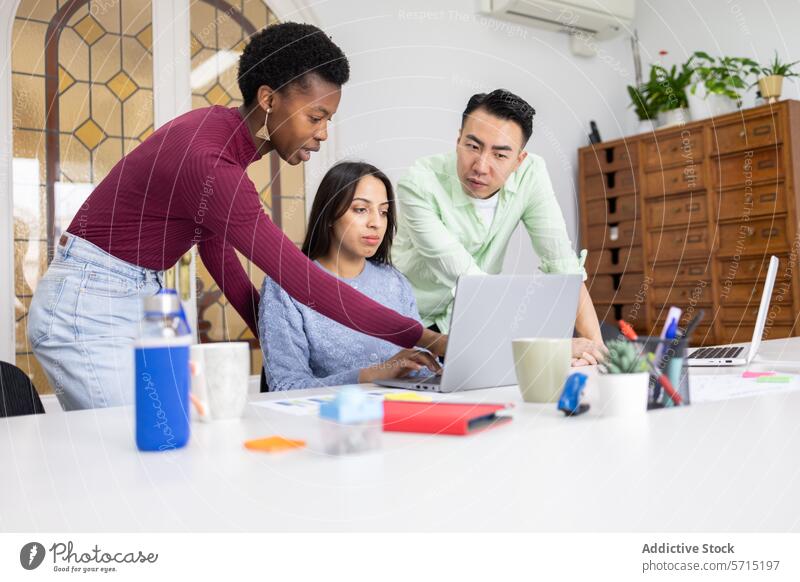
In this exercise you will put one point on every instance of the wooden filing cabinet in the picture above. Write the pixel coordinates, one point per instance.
(689, 216)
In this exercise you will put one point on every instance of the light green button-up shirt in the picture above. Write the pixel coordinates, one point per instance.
(441, 236)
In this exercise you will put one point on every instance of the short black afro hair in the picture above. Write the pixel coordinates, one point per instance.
(505, 105)
(282, 54)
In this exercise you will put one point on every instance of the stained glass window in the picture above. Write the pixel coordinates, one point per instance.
(82, 82)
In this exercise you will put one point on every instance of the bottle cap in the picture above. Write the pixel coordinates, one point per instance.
(165, 301)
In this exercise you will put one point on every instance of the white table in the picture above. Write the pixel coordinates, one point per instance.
(728, 466)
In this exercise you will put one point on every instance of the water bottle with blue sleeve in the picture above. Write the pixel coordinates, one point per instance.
(162, 374)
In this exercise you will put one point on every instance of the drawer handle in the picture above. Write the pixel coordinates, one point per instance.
(766, 164)
(695, 270)
(768, 197)
(750, 231)
(693, 238)
(762, 130)
(769, 232)
(691, 207)
(742, 133)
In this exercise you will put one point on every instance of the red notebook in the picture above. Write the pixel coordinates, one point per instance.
(441, 417)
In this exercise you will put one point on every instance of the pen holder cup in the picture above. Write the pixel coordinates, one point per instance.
(671, 359)
(338, 438)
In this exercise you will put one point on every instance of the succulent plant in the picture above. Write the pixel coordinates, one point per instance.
(622, 358)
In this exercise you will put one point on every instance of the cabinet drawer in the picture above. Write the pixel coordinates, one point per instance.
(625, 155)
(749, 313)
(673, 245)
(594, 187)
(740, 169)
(684, 147)
(615, 261)
(605, 159)
(601, 287)
(680, 273)
(611, 210)
(674, 210)
(630, 286)
(609, 184)
(763, 236)
(592, 162)
(683, 295)
(748, 269)
(615, 289)
(606, 236)
(741, 293)
(748, 134)
(735, 333)
(764, 200)
(688, 178)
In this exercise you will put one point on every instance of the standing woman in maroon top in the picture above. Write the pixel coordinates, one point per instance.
(187, 185)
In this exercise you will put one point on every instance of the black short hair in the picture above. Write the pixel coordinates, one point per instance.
(285, 53)
(334, 196)
(505, 105)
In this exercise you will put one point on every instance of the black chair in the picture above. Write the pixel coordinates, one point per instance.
(264, 385)
(18, 396)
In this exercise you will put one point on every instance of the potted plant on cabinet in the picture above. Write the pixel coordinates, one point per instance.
(667, 89)
(641, 103)
(722, 82)
(771, 81)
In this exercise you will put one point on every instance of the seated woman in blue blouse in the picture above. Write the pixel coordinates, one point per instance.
(350, 233)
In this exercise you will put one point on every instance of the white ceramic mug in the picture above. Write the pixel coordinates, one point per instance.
(220, 376)
(542, 365)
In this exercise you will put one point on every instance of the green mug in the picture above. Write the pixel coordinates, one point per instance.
(542, 366)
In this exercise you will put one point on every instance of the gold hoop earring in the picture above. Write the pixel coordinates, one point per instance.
(263, 133)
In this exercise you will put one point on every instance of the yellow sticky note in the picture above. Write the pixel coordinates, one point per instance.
(273, 444)
(408, 397)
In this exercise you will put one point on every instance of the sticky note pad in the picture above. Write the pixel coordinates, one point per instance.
(273, 444)
(774, 379)
(749, 374)
(408, 397)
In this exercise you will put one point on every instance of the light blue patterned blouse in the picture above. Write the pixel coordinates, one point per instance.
(304, 349)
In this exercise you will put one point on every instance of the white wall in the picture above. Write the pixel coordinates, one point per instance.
(415, 64)
(742, 28)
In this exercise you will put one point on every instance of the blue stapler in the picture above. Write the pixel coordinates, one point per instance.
(570, 401)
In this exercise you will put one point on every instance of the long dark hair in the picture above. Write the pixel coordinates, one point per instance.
(333, 199)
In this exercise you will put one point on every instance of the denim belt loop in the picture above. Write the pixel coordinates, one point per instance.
(65, 242)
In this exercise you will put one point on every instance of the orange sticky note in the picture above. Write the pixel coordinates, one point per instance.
(273, 444)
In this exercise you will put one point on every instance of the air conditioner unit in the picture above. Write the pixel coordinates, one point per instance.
(601, 19)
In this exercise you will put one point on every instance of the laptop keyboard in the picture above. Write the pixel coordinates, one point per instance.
(429, 380)
(715, 353)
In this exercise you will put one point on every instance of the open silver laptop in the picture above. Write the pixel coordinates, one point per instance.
(740, 355)
(490, 311)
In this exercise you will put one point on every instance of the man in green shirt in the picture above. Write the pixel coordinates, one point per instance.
(458, 211)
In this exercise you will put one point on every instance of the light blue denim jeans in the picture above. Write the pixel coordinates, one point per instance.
(83, 320)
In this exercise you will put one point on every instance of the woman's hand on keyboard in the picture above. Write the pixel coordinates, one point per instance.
(401, 365)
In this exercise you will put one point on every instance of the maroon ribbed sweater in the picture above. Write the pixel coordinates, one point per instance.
(186, 185)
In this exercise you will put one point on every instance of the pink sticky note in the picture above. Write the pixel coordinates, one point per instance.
(749, 374)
